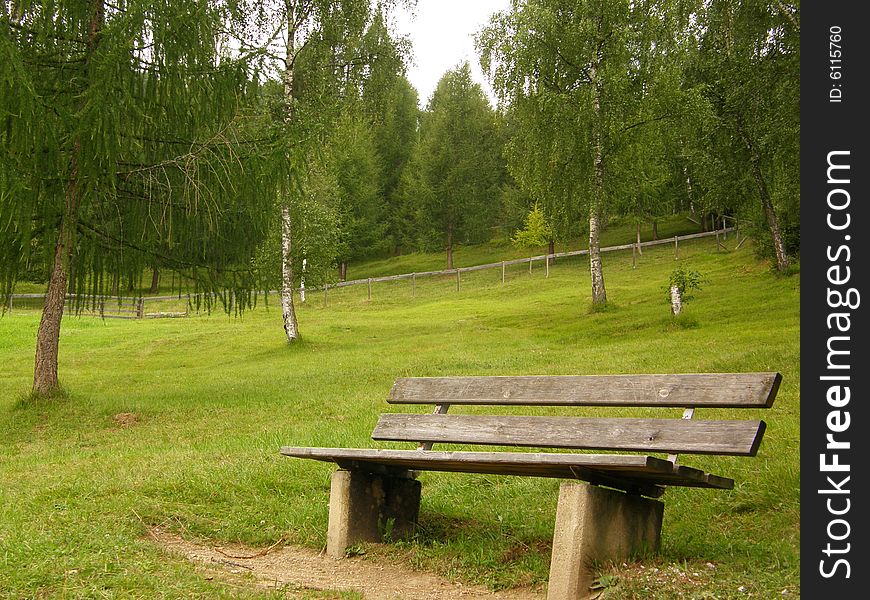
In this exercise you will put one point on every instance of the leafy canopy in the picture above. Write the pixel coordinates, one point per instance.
(131, 127)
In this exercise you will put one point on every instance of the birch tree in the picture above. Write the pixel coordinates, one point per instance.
(319, 47)
(749, 64)
(128, 137)
(581, 78)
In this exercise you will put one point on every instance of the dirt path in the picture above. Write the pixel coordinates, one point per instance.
(297, 568)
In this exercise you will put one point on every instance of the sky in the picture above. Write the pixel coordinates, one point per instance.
(442, 33)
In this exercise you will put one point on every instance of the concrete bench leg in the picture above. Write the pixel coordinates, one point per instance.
(597, 524)
(363, 507)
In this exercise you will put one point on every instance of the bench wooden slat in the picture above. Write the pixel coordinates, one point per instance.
(736, 438)
(725, 390)
(639, 474)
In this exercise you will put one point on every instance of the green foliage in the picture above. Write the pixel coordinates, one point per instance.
(356, 168)
(537, 231)
(686, 280)
(748, 153)
(458, 168)
(586, 87)
(129, 137)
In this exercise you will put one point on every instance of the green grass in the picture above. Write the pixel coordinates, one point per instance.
(216, 397)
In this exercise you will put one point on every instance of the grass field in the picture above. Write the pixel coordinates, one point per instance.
(215, 397)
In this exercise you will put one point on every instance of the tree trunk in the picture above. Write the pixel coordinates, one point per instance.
(288, 311)
(551, 249)
(450, 246)
(676, 301)
(639, 250)
(291, 327)
(599, 295)
(342, 271)
(45, 379)
(155, 280)
(655, 231)
(690, 193)
(766, 202)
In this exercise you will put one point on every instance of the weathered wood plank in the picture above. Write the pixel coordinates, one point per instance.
(726, 390)
(677, 436)
(638, 474)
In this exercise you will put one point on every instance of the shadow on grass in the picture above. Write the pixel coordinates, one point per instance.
(35, 399)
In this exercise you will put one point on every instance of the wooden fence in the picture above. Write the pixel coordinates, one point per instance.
(135, 308)
(106, 307)
(542, 258)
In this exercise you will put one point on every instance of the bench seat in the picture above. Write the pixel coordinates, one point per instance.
(628, 472)
(608, 506)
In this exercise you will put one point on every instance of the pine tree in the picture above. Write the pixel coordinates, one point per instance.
(459, 164)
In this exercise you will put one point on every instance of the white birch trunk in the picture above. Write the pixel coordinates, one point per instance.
(291, 326)
(676, 301)
(599, 295)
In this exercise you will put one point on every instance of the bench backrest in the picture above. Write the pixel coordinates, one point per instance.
(689, 391)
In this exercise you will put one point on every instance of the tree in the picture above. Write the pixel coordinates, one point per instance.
(389, 104)
(680, 285)
(324, 56)
(749, 63)
(361, 212)
(395, 119)
(459, 162)
(581, 79)
(536, 232)
(128, 137)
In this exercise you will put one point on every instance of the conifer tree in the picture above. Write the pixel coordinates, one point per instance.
(128, 137)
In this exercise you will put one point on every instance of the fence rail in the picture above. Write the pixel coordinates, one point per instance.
(109, 307)
(518, 261)
(134, 307)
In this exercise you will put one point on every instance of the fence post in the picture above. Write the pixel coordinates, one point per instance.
(458, 281)
(718, 246)
(413, 285)
(370, 289)
(530, 265)
(140, 308)
(676, 247)
(633, 256)
(548, 266)
(502, 272)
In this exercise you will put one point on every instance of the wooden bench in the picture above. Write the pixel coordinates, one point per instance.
(376, 490)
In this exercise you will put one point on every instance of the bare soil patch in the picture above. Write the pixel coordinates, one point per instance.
(295, 568)
(125, 419)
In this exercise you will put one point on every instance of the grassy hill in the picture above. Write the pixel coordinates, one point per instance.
(215, 397)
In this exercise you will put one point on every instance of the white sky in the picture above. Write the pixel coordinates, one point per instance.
(443, 37)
